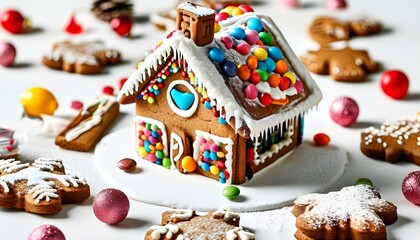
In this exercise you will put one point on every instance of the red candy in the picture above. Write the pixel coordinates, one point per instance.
(46, 232)
(122, 26)
(122, 81)
(243, 48)
(321, 139)
(395, 84)
(12, 21)
(111, 206)
(75, 104)
(246, 8)
(108, 90)
(73, 26)
(265, 99)
(127, 164)
(284, 83)
(251, 91)
(255, 77)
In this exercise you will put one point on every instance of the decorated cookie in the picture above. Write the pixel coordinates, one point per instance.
(88, 127)
(8, 144)
(186, 224)
(40, 187)
(325, 30)
(393, 141)
(355, 212)
(346, 64)
(83, 58)
(106, 10)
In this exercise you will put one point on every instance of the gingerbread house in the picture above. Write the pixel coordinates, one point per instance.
(223, 104)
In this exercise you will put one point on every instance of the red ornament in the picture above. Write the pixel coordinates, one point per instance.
(47, 231)
(73, 26)
(411, 187)
(122, 25)
(265, 99)
(108, 90)
(12, 21)
(121, 82)
(395, 84)
(111, 206)
(321, 139)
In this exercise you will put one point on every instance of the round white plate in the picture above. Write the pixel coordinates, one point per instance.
(307, 169)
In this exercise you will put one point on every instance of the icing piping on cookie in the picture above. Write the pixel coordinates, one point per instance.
(38, 176)
(238, 231)
(223, 212)
(181, 214)
(104, 102)
(168, 230)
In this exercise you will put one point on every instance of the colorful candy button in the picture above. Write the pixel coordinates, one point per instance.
(364, 181)
(188, 164)
(252, 62)
(291, 76)
(243, 48)
(244, 73)
(321, 139)
(284, 83)
(271, 65)
(263, 74)
(251, 36)
(254, 24)
(255, 77)
(274, 53)
(237, 33)
(231, 192)
(251, 91)
(260, 53)
(230, 69)
(281, 67)
(266, 38)
(227, 41)
(216, 54)
(265, 99)
(274, 80)
(127, 164)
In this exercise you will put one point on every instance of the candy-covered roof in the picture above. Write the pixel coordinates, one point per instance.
(238, 73)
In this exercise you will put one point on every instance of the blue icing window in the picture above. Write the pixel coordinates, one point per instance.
(183, 100)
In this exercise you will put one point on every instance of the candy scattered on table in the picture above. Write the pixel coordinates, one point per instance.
(188, 164)
(76, 105)
(13, 21)
(111, 206)
(73, 27)
(411, 187)
(231, 192)
(344, 111)
(47, 232)
(122, 25)
(321, 139)
(365, 181)
(336, 4)
(395, 84)
(107, 90)
(7, 54)
(37, 101)
(127, 164)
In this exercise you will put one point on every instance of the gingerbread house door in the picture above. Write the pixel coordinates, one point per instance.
(179, 147)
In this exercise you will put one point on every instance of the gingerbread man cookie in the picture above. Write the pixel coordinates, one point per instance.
(82, 58)
(185, 224)
(346, 64)
(41, 187)
(325, 30)
(355, 212)
(393, 141)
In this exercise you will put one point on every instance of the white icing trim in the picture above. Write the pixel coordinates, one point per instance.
(174, 108)
(176, 146)
(181, 214)
(223, 212)
(238, 231)
(209, 77)
(196, 9)
(228, 147)
(169, 230)
(164, 136)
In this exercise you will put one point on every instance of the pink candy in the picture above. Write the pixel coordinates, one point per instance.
(243, 48)
(7, 54)
(251, 91)
(151, 157)
(298, 86)
(75, 104)
(227, 41)
(252, 37)
(246, 8)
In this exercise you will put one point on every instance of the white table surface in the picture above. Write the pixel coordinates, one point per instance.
(397, 47)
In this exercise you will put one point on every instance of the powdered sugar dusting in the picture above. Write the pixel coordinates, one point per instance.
(196, 9)
(355, 203)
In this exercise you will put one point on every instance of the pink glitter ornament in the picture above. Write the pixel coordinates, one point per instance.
(344, 111)
(7, 54)
(411, 187)
(46, 232)
(111, 206)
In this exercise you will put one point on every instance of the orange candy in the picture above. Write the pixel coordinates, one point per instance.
(244, 73)
(281, 67)
(281, 101)
(321, 139)
(274, 80)
(252, 62)
(188, 164)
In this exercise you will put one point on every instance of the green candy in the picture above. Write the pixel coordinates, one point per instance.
(231, 192)
(155, 127)
(148, 125)
(364, 181)
(263, 75)
(159, 154)
(166, 162)
(266, 38)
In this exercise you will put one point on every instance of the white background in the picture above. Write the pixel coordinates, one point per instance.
(396, 48)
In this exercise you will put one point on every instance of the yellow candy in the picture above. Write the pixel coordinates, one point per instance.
(228, 9)
(217, 27)
(37, 101)
(220, 154)
(292, 77)
(237, 12)
(214, 170)
(150, 100)
(188, 164)
(152, 148)
(142, 152)
(159, 146)
(173, 65)
(260, 53)
(159, 43)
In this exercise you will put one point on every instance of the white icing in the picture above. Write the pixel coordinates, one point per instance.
(176, 144)
(208, 76)
(238, 231)
(355, 203)
(228, 145)
(104, 102)
(38, 176)
(196, 9)
(189, 112)
(168, 230)
(181, 214)
(223, 212)
(160, 125)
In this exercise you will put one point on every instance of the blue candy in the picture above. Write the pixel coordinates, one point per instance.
(222, 120)
(155, 134)
(147, 145)
(222, 180)
(262, 66)
(206, 154)
(271, 65)
(230, 69)
(207, 105)
(254, 24)
(205, 166)
(222, 175)
(216, 54)
(274, 53)
(237, 33)
(213, 156)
